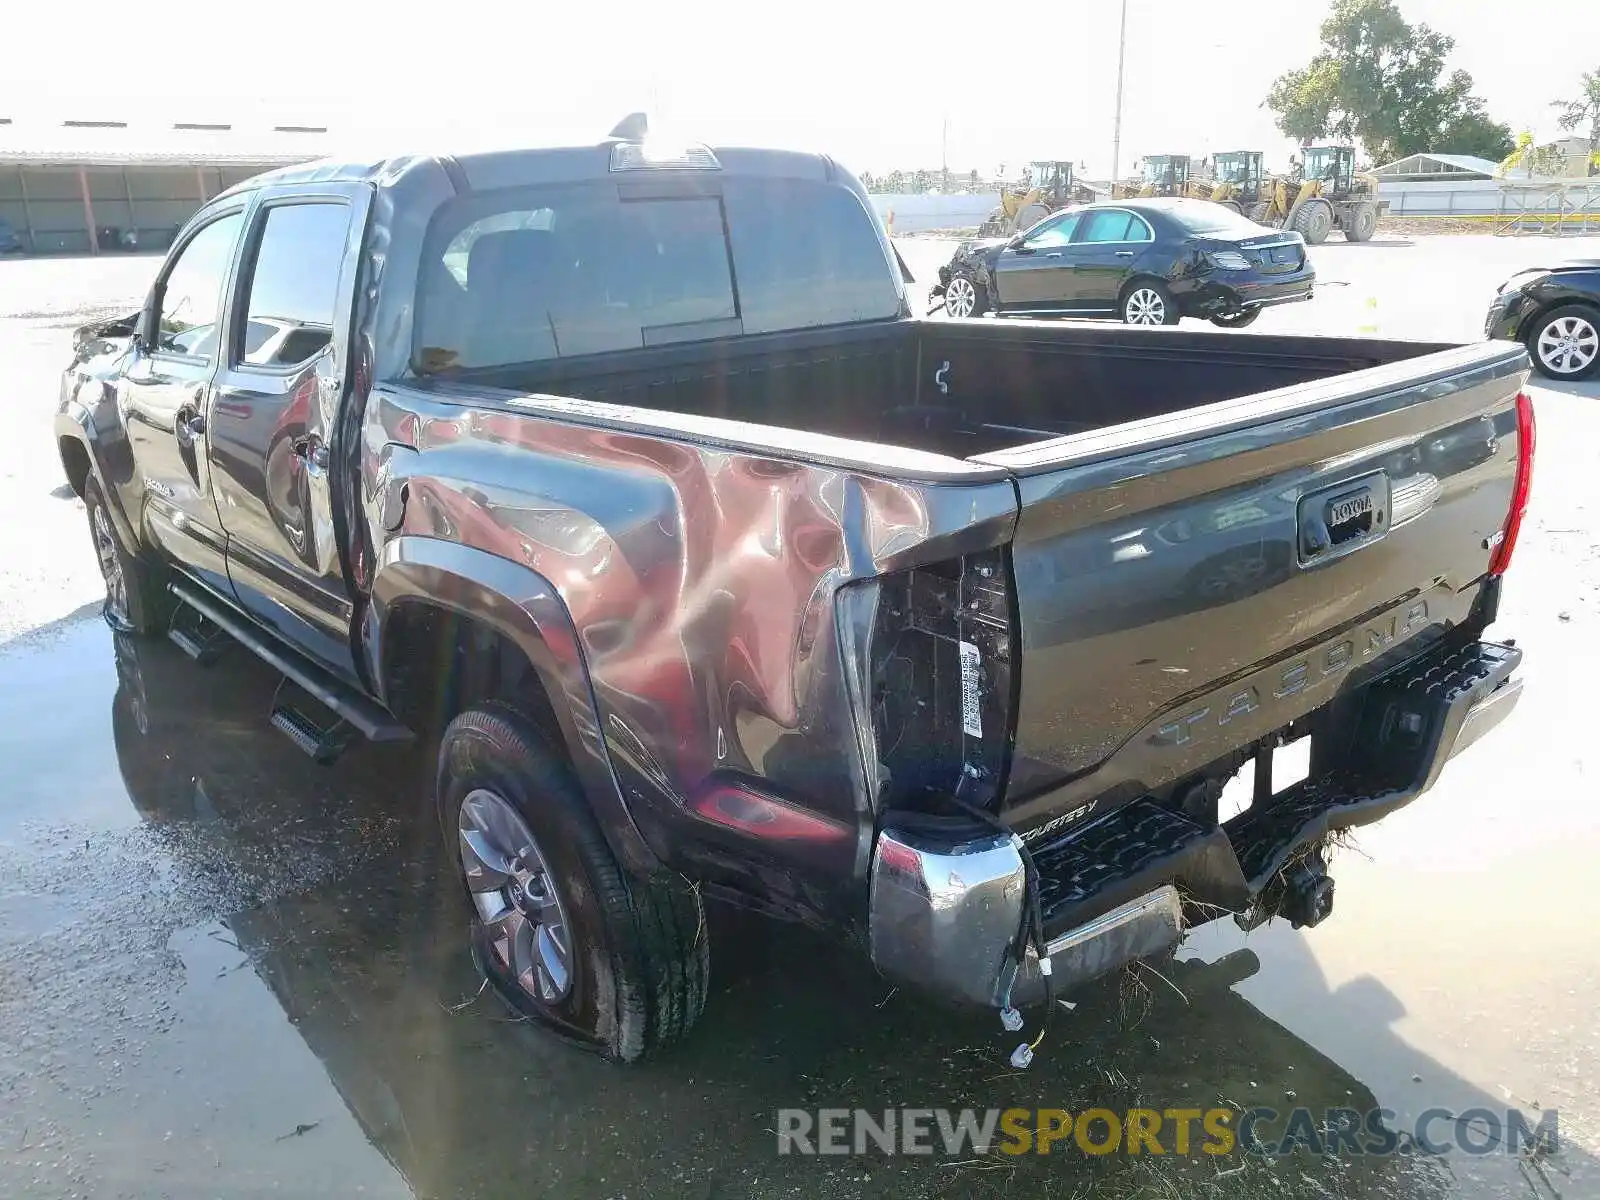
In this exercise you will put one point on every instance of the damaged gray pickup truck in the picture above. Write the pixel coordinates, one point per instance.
(627, 474)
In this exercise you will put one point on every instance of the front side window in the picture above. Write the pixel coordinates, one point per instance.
(191, 296)
(295, 283)
(522, 277)
(1115, 225)
(1057, 232)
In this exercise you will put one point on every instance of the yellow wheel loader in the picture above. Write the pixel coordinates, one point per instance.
(1163, 175)
(1051, 186)
(1331, 195)
(1240, 183)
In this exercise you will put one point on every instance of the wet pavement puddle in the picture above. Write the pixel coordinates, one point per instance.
(227, 972)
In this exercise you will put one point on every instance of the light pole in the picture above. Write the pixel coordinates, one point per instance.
(1116, 127)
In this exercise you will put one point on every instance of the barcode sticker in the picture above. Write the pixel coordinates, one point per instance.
(971, 712)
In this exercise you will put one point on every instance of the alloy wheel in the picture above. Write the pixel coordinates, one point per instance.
(960, 297)
(110, 556)
(1567, 345)
(514, 891)
(1145, 307)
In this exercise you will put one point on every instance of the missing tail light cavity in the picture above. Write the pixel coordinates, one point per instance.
(933, 659)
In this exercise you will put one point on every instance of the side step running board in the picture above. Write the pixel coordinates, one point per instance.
(322, 741)
(354, 710)
(197, 635)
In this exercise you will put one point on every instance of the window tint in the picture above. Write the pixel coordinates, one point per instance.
(294, 285)
(1114, 225)
(192, 294)
(1055, 231)
(514, 277)
(806, 254)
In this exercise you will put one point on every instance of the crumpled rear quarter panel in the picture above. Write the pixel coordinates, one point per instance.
(701, 582)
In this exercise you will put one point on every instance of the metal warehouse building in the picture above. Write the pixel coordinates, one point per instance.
(99, 186)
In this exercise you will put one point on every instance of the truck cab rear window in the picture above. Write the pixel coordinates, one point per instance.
(543, 273)
(523, 277)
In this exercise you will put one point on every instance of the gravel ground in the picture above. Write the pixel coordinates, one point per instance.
(225, 972)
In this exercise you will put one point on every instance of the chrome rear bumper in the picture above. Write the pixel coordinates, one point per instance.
(944, 916)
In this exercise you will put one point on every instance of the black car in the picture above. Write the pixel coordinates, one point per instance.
(1555, 312)
(1146, 262)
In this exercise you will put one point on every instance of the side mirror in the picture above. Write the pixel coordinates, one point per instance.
(1015, 242)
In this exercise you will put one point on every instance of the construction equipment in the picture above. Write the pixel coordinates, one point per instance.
(1332, 194)
(1164, 175)
(1050, 186)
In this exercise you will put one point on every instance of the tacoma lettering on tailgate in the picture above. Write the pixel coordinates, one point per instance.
(1297, 677)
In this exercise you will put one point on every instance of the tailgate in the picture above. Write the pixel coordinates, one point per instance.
(1191, 583)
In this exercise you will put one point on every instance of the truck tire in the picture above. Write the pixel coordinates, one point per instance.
(1147, 302)
(965, 296)
(613, 963)
(1313, 221)
(995, 225)
(1361, 222)
(1259, 211)
(1564, 343)
(136, 594)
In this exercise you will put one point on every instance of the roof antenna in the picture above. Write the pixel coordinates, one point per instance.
(632, 128)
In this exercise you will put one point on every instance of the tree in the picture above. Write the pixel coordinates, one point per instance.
(1381, 81)
(1571, 114)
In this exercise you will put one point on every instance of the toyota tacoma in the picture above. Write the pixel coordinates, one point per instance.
(625, 472)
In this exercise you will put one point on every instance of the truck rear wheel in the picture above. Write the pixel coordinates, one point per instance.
(617, 964)
(136, 596)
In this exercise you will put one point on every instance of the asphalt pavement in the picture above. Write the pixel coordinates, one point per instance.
(226, 972)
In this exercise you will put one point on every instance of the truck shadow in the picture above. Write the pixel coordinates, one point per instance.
(465, 1102)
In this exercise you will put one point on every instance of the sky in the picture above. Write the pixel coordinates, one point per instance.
(875, 83)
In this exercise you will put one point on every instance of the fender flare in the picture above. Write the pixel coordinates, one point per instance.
(521, 605)
(75, 422)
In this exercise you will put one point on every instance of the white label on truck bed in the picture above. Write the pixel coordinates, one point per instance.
(971, 713)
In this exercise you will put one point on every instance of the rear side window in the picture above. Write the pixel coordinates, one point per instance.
(807, 254)
(1114, 225)
(515, 277)
(294, 285)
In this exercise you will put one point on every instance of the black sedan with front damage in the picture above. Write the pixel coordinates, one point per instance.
(1146, 262)
(1555, 312)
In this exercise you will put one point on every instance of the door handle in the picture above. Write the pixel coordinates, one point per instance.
(187, 426)
(1124, 253)
(1054, 254)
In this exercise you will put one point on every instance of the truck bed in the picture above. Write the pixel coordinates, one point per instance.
(1163, 487)
(958, 389)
